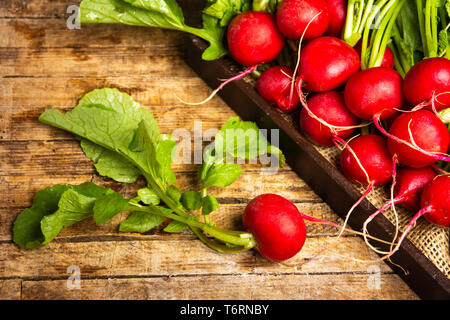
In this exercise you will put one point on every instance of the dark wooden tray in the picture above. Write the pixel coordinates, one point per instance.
(328, 182)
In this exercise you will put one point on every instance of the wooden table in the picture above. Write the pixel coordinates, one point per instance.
(43, 64)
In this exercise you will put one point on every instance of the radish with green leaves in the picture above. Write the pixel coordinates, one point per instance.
(277, 226)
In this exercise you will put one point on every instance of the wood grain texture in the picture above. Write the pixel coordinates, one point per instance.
(45, 65)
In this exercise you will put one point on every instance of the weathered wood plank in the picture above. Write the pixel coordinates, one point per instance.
(234, 287)
(93, 62)
(50, 8)
(54, 33)
(174, 256)
(10, 289)
(159, 95)
(35, 8)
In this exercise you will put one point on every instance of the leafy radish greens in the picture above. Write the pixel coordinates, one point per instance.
(124, 142)
(166, 14)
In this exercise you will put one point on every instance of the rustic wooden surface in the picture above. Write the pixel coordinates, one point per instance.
(44, 64)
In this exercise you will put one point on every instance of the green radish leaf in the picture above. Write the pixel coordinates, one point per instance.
(27, 231)
(222, 175)
(174, 193)
(191, 200)
(110, 164)
(442, 43)
(154, 13)
(107, 207)
(175, 226)
(140, 222)
(148, 196)
(53, 210)
(209, 204)
(243, 139)
(113, 121)
(225, 10)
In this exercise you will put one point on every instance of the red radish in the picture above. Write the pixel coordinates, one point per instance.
(406, 190)
(326, 63)
(410, 183)
(293, 16)
(253, 38)
(330, 107)
(366, 160)
(388, 58)
(427, 78)
(277, 226)
(337, 11)
(374, 93)
(435, 201)
(418, 138)
(274, 86)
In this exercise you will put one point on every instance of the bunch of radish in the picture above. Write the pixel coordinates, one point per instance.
(386, 125)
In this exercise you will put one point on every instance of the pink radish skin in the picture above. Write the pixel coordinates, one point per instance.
(326, 63)
(330, 107)
(374, 91)
(428, 132)
(277, 226)
(425, 78)
(294, 15)
(388, 58)
(253, 38)
(337, 11)
(274, 85)
(435, 203)
(436, 197)
(371, 150)
(410, 184)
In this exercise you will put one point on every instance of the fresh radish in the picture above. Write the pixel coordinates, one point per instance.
(326, 63)
(277, 226)
(406, 190)
(429, 80)
(329, 107)
(274, 86)
(435, 201)
(418, 138)
(374, 93)
(293, 17)
(388, 57)
(366, 160)
(337, 11)
(410, 183)
(253, 39)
